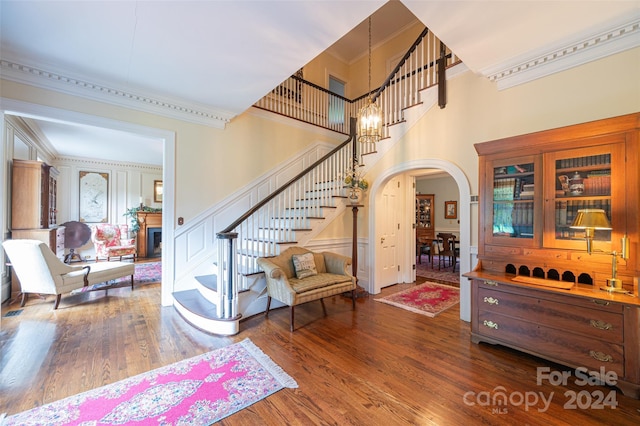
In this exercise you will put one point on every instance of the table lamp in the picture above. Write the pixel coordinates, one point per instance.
(596, 219)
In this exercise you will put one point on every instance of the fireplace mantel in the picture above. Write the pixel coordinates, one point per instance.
(147, 220)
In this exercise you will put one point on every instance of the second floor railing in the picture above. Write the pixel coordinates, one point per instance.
(305, 101)
(274, 220)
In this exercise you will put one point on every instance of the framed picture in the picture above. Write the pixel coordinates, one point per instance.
(450, 209)
(157, 191)
(94, 197)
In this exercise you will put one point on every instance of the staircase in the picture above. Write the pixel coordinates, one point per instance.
(298, 210)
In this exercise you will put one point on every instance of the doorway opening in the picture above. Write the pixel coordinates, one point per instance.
(406, 253)
(167, 138)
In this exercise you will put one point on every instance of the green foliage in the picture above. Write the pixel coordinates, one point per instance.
(132, 214)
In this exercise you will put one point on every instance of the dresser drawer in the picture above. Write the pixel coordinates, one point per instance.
(564, 347)
(590, 322)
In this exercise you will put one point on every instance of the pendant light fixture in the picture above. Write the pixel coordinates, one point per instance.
(370, 116)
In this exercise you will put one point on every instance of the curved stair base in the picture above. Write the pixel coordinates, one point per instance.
(201, 313)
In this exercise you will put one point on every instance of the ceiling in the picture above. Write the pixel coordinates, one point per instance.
(223, 56)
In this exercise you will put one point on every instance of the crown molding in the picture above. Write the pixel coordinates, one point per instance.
(40, 77)
(615, 40)
(92, 162)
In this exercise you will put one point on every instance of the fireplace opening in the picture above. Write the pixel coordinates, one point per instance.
(154, 242)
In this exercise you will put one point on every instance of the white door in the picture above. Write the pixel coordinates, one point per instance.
(388, 231)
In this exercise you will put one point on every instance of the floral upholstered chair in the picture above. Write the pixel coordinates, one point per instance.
(112, 241)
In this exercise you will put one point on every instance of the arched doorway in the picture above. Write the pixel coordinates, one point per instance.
(465, 223)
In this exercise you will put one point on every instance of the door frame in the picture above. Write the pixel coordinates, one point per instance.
(408, 259)
(27, 109)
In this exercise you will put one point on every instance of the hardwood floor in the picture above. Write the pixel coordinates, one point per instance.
(376, 365)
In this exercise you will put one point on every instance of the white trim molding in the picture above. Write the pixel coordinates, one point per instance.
(465, 223)
(170, 108)
(590, 48)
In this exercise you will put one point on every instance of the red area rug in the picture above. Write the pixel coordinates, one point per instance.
(431, 272)
(144, 273)
(195, 391)
(428, 299)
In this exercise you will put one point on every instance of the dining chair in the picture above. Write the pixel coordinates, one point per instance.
(447, 250)
(423, 246)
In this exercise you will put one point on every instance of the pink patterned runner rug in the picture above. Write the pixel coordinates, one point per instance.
(428, 299)
(195, 391)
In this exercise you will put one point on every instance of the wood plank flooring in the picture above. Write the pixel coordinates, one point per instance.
(376, 365)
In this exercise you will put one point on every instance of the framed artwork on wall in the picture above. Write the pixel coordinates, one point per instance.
(94, 197)
(157, 191)
(450, 209)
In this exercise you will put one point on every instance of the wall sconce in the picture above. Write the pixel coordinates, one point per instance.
(596, 219)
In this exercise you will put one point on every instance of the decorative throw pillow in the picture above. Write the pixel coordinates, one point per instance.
(304, 265)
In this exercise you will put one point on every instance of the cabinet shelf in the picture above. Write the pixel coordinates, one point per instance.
(533, 238)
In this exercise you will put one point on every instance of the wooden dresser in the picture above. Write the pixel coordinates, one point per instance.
(536, 289)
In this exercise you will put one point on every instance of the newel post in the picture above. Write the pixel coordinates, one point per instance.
(227, 264)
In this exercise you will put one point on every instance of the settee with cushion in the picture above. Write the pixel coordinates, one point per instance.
(112, 241)
(298, 276)
(41, 272)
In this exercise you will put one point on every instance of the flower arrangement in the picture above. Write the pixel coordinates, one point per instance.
(354, 180)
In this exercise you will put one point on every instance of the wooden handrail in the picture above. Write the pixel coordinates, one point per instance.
(291, 181)
(406, 56)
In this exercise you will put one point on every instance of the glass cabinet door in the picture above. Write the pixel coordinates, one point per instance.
(576, 182)
(513, 193)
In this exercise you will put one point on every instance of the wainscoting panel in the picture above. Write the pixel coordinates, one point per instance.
(196, 243)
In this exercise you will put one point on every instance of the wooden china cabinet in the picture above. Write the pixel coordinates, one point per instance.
(34, 204)
(536, 289)
(424, 217)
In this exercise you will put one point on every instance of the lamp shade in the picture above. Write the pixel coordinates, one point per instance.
(591, 218)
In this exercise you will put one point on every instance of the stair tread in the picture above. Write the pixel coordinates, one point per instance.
(267, 240)
(193, 301)
(208, 281)
(285, 229)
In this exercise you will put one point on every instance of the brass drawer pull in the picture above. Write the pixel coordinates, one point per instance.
(490, 324)
(599, 324)
(600, 356)
(491, 283)
(490, 300)
(601, 302)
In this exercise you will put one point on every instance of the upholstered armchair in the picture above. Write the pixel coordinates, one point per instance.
(298, 276)
(41, 272)
(112, 241)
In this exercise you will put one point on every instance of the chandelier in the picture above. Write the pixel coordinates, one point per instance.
(370, 116)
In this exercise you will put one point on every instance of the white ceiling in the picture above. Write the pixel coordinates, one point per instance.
(223, 56)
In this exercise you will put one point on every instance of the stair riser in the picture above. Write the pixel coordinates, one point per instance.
(276, 234)
(210, 295)
(223, 328)
(290, 223)
(303, 212)
(315, 203)
(327, 185)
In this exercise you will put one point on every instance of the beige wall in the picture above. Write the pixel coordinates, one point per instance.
(211, 163)
(477, 112)
(355, 73)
